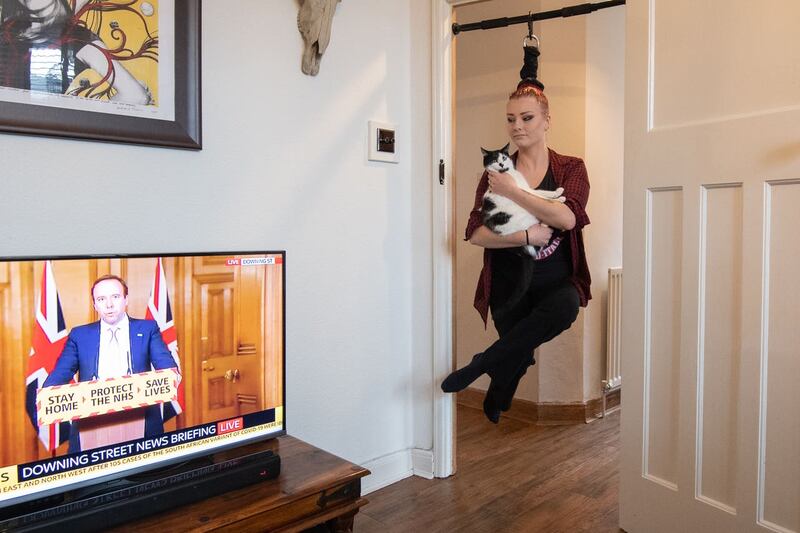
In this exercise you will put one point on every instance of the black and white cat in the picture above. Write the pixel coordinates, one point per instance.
(502, 215)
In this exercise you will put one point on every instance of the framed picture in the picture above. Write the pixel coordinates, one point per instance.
(110, 70)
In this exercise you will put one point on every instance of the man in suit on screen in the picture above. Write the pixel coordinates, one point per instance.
(114, 346)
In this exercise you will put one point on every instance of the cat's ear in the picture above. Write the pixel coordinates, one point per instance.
(484, 151)
(505, 148)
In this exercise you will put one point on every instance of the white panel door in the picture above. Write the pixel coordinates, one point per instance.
(711, 302)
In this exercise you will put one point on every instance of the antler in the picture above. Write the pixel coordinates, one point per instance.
(314, 20)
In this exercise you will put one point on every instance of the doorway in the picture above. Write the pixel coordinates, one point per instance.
(584, 79)
(709, 342)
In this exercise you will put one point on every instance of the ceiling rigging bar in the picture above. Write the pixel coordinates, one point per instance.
(571, 11)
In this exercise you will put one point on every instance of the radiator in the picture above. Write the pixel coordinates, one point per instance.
(614, 333)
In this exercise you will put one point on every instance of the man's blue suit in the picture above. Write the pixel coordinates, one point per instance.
(81, 354)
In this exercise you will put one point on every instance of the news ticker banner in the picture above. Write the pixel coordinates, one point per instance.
(64, 403)
(29, 477)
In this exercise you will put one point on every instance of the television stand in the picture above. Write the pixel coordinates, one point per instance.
(314, 487)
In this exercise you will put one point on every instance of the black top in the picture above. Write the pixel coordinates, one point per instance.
(515, 273)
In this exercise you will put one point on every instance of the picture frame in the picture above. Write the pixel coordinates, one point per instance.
(180, 126)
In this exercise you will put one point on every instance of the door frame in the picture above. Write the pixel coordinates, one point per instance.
(442, 230)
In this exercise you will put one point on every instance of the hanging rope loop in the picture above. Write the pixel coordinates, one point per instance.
(530, 67)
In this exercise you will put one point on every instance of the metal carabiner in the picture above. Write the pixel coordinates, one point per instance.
(533, 37)
(530, 35)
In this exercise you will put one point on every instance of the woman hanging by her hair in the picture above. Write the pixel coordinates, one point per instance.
(532, 300)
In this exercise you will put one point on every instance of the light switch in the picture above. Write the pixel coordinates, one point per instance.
(382, 142)
(386, 141)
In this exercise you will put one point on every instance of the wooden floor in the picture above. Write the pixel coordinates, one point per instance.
(514, 477)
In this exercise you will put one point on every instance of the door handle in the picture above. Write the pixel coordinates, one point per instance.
(232, 375)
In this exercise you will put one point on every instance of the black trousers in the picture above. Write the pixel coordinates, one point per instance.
(539, 316)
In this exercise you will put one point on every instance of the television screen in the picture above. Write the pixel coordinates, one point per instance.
(116, 364)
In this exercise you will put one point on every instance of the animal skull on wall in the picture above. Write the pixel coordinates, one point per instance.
(314, 21)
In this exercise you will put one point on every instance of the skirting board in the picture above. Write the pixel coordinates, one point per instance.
(547, 413)
(396, 466)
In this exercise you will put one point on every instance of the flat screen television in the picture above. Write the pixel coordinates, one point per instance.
(114, 365)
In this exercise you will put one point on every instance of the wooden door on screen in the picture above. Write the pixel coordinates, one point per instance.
(18, 438)
(226, 303)
(710, 430)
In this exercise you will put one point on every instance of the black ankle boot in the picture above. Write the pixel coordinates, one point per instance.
(490, 408)
(504, 397)
(461, 378)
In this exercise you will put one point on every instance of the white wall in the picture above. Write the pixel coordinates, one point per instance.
(605, 110)
(283, 167)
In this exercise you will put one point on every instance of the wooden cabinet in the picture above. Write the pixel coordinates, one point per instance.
(314, 487)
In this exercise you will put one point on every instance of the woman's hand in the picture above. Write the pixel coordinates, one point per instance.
(539, 234)
(502, 184)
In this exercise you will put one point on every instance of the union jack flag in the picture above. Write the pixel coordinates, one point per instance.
(49, 338)
(160, 310)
